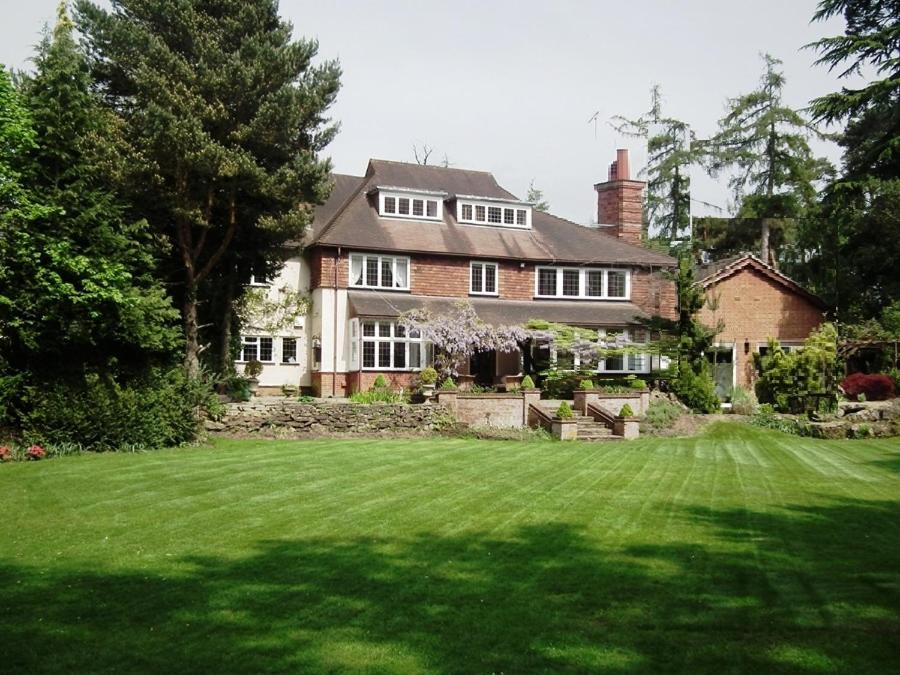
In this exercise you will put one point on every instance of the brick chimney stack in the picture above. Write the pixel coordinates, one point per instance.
(619, 204)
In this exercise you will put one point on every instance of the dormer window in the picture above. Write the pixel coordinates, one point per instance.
(408, 203)
(500, 212)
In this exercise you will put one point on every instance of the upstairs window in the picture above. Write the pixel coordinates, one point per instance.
(578, 282)
(483, 278)
(400, 205)
(379, 271)
(514, 216)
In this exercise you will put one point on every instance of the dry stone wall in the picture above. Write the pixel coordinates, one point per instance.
(289, 418)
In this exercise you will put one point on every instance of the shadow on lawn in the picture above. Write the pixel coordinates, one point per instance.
(814, 590)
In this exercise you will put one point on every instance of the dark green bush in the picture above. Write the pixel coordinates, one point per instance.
(696, 391)
(97, 413)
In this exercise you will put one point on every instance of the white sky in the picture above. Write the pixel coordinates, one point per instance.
(509, 87)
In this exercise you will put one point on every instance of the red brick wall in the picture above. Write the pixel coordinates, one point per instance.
(322, 263)
(619, 203)
(654, 293)
(331, 384)
(449, 276)
(754, 308)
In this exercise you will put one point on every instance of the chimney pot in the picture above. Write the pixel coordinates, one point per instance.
(623, 171)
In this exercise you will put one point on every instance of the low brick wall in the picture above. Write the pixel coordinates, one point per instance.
(490, 410)
(288, 418)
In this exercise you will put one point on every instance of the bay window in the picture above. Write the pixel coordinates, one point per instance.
(379, 271)
(386, 345)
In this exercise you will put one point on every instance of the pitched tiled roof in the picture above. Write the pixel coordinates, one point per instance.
(499, 312)
(712, 273)
(355, 223)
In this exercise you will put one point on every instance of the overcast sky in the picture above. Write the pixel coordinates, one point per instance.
(509, 87)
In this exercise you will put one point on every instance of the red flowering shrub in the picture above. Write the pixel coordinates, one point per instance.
(5, 454)
(35, 452)
(873, 387)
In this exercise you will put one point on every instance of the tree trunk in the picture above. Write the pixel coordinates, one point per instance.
(764, 238)
(191, 333)
(226, 363)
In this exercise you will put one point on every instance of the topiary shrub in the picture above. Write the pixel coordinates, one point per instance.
(527, 382)
(428, 375)
(873, 387)
(253, 369)
(626, 411)
(638, 383)
(564, 412)
(448, 385)
(586, 385)
(380, 383)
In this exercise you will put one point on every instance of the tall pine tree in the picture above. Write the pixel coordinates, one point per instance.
(764, 144)
(225, 118)
(670, 154)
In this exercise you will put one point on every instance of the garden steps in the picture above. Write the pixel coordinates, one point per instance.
(589, 429)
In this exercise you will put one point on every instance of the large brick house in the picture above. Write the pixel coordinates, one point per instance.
(404, 236)
(753, 302)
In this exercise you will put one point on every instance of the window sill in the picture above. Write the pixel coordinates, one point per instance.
(376, 288)
(485, 295)
(590, 298)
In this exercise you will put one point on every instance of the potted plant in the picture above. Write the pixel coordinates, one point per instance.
(252, 371)
(428, 377)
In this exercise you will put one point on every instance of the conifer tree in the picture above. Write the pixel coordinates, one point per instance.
(225, 119)
(765, 145)
(77, 275)
(536, 197)
(670, 154)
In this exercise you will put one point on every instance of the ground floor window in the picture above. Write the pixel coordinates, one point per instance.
(289, 350)
(257, 348)
(621, 363)
(386, 345)
(763, 347)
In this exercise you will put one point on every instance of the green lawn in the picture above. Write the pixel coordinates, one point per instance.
(739, 551)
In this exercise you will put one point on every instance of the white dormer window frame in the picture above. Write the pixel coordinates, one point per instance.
(490, 212)
(581, 283)
(399, 203)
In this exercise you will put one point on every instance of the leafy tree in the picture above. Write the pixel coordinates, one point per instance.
(854, 242)
(536, 196)
(765, 144)
(670, 153)
(225, 117)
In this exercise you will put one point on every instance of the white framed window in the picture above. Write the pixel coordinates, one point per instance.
(387, 346)
(579, 282)
(289, 351)
(786, 347)
(258, 279)
(492, 213)
(625, 363)
(379, 271)
(483, 278)
(410, 205)
(257, 348)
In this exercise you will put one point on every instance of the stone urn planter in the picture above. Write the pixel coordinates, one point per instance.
(252, 371)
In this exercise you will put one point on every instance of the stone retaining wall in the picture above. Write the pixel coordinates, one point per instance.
(285, 417)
